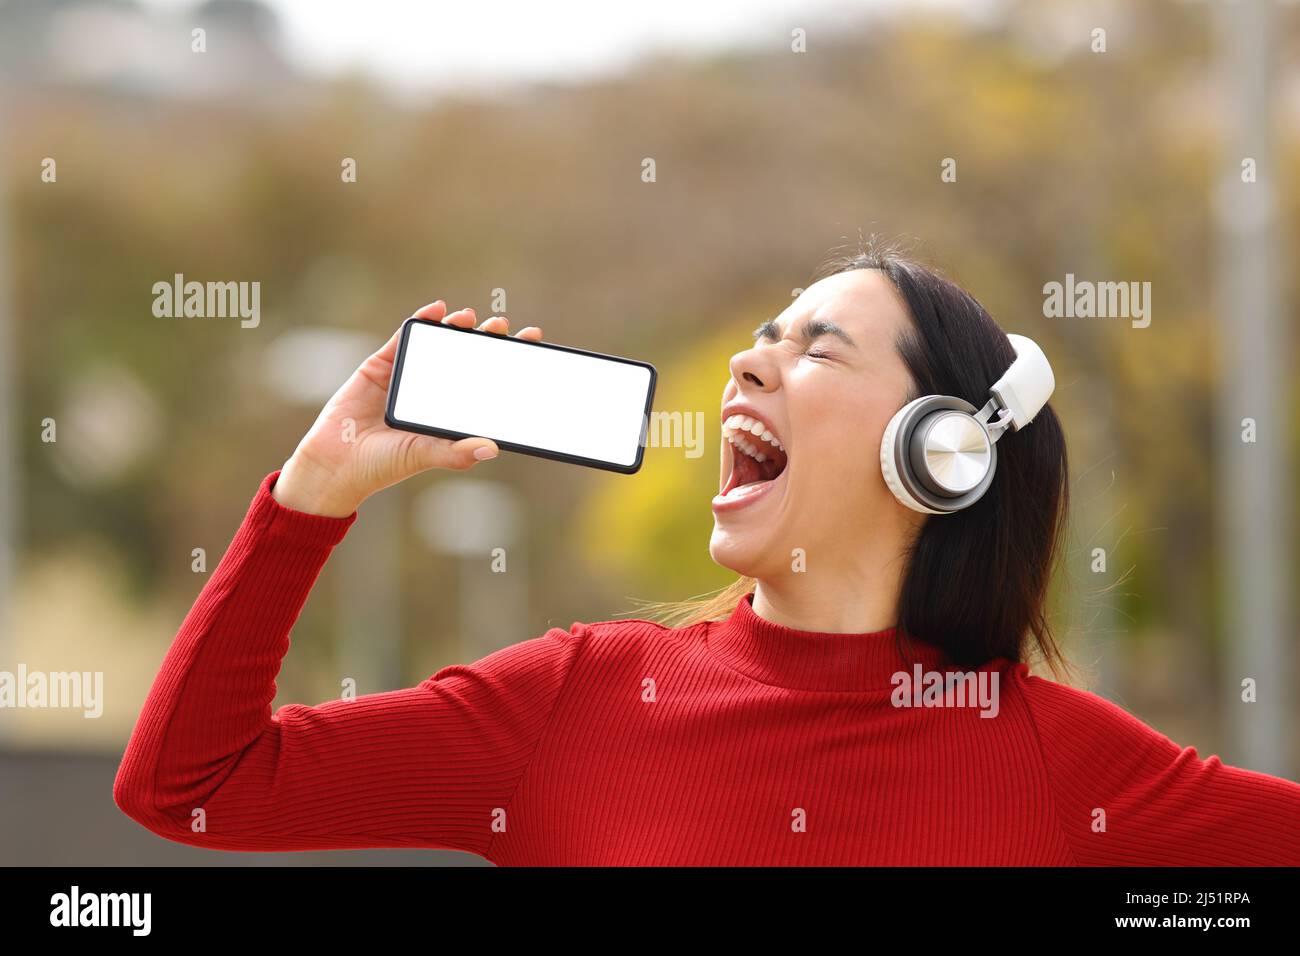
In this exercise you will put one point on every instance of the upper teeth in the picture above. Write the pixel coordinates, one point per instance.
(742, 430)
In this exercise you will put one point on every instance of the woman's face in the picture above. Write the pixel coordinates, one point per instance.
(826, 400)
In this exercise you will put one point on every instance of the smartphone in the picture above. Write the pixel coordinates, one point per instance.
(535, 398)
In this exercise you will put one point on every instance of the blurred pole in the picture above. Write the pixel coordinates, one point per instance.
(368, 569)
(469, 519)
(1105, 645)
(8, 445)
(1255, 478)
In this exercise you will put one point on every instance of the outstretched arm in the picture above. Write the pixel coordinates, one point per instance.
(1130, 796)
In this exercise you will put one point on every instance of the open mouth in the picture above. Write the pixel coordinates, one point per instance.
(758, 455)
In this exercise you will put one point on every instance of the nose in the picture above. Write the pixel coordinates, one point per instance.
(752, 366)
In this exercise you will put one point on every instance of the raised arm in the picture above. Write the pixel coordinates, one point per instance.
(432, 766)
(1127, 795)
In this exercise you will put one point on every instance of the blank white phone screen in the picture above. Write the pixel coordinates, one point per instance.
(490, 386)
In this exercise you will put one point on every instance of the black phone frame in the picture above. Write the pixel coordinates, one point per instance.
(394, 383)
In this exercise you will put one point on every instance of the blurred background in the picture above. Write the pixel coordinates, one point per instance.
(499, 149)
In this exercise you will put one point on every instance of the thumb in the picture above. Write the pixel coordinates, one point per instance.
(470, 451)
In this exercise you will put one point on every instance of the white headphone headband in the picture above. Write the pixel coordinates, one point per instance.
(1027, 385)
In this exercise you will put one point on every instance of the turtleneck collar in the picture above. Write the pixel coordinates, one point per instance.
(813, 660)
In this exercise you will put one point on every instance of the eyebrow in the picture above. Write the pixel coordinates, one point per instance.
(812, 329)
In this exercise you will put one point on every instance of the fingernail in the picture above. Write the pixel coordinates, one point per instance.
(484, 452)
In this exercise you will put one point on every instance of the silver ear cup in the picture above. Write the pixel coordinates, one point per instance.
(951, 453)
(935, 456)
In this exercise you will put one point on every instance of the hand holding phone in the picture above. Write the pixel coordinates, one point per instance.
(350, 452)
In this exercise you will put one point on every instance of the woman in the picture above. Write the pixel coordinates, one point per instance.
(781, 724)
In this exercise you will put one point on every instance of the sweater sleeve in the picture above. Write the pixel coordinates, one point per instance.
(430, 766)
(1160, 804)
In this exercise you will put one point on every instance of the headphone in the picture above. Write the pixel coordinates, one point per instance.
(938, 454)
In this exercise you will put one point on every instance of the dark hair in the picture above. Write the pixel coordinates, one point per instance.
(976, 580)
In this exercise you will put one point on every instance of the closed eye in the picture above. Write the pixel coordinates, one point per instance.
(812, 330)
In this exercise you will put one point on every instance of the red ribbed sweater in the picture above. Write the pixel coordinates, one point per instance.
(736, 742)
